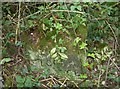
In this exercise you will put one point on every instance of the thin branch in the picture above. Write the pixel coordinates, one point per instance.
(64, 82)
(45, 80)
(100, 74)
(75, 84)
(47, 15)
(112, 32)
(45, 86)
(68, 11)
(107, 70)
(30, 15)
(57, 81)
(11, 19)
(114, 63)
(18, 24)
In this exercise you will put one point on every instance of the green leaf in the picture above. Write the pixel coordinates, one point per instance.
(83, 75)
(83, 45)
(91, 55)
(18, 43)
(61, 41)
(29, 83)
(58, 26)
(41, 8)
(71, 75)
(63, 56)
(53, 51)
(54, 55)
(98, 55)
(32, 54)
(63, 49)
(72, 8)
(77, 39)
(85, 64)
(79, 8)
(19, 79)
(20, 85)
(5, 60)
(30, 23)
(64, 30)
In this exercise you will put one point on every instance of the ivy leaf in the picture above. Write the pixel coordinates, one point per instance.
(83, 45)
(58, 26)
(98, 55)
(19, 79)
(79, 8)
(30, 23)
(72, 8)
(77, 39)
(53, 51)
(83, 75)
(19, 43)
(41, 8)
(63, 56)
(54, 55)
(85, 64)
(63, 49)
(29, 82)
(91, 55)
(5, 60)
(61, 41)
(20, 85)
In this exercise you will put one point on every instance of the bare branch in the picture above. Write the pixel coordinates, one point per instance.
(67, 11)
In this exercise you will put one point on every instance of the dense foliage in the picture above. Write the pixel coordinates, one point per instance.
(61, 44)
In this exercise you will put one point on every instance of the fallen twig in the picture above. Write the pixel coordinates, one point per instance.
(45, 80)
(107, 70)
(100, 74)
(63, 82)
(30, 15)
(45, 86)
(114, 63)
(18, 24)
(112, 32)
(67, 11)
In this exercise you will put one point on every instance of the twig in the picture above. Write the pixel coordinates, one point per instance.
(52, 13)
(71, 22)
(64, 82)
(63, 20)
(107, 70)
(18, 24)
(112, 32)
(45, 80)
(52, 79)
(15, 63)
(75, 84)
(57, 81)
(45, 86)
(30, 15)
(96, 19)
(114, 63)
(12, 19)
(68, 11)
(101, 73)
(28, 9)
(47, 15)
